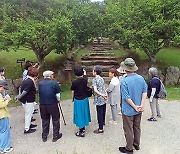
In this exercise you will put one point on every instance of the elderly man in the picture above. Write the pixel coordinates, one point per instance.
(49, 97)
(134, 93)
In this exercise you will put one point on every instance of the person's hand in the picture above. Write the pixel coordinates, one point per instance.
(7, 97)
(105, 96)
(16, 99)
(84, 71)
(140, 108)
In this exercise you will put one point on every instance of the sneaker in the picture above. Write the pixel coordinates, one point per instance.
(32, 119)
(35, 112)
(97, 131)
(44, 139)
(136, 147)
(113, 122)
(29, 131)
(8, 150)
(152, 119)
(119, 113)
(32, 126)
(79, 134)
(124, 150)
(159, 116)
(57, 138)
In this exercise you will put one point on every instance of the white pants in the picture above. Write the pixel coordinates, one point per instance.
(29, 109)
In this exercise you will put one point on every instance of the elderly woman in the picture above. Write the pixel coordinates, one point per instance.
(81, 116)
(113, 91)
(5, 136)
(100, 98)
(152, 93)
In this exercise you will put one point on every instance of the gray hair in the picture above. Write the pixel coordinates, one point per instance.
(153, 72)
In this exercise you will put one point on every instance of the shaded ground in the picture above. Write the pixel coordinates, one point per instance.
(161, 137)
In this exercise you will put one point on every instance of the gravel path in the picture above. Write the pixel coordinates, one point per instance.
(161, 137)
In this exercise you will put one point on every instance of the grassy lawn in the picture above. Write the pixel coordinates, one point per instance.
(13, 70)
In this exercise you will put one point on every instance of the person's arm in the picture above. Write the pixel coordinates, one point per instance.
(99, 93)
(130, 102)
(153, 90)
(110, 88)
(21, 95)
(3, 102)
(58, 97)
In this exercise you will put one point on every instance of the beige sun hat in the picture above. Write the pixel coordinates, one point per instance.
(121, 70)
(129, 65)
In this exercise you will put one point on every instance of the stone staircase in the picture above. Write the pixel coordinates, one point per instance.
(102, 56)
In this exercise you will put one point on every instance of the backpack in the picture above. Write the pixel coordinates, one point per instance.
(162, 92)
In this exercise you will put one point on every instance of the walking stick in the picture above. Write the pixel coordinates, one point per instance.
(62, 113)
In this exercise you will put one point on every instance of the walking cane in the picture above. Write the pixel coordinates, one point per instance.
(62, 113)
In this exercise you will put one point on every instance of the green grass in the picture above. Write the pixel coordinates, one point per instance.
(169, 57)
(173, 93)
(8, 60)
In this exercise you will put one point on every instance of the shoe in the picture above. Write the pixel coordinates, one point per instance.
(79, 134)
(29, 131)
(136, 147)
(97, 131)
(152, 119)
(44, 139)
(113, 122)
(32, 126)
(57, 138)
(124, 150)
(119, 113)
(32, 119)
(35, 112)
(159, 116)
(8, 150)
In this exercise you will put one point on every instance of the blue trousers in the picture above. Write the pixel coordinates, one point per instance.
(5, 135)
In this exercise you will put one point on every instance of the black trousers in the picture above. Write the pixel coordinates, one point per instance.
(48, 111)
(101, 113)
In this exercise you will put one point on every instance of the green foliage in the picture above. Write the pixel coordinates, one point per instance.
(143, 24)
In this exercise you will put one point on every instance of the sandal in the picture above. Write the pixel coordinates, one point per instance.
(97, 131)
(79, 134)
(151, 119)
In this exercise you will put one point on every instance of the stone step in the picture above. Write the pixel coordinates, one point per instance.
(100, 53)
(86, 57)
(103, 48)
(99, 62)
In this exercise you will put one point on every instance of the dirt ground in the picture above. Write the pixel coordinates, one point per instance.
(161, 137)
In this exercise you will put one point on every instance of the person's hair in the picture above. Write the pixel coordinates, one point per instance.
(97, 69)
(33, 72)
(153, 72)
(27, 64)
(114, 71)
(78, 71)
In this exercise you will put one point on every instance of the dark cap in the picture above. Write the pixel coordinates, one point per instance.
(3, 84)
(1, 69)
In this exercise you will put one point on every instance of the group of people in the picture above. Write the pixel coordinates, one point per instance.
(126, 89)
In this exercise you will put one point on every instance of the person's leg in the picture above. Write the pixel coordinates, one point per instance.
(100, 114)
(153, 108)
(54, 110)
(114, 112)
(137, 130)
(158, 108)
(104, 113)
(45, 116)
(5, 135)
(28, 114)
(128, 131)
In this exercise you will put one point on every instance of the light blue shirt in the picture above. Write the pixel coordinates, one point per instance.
(132, 87)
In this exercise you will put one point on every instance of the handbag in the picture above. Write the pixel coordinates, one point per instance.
(89, 91)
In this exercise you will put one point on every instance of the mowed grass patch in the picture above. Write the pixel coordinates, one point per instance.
(8, 60)
(173, 92)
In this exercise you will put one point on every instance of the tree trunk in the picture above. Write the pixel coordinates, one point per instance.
(152, 58)
(40, 60)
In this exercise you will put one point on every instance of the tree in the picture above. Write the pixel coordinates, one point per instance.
(35, 26)
(143, 24)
